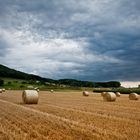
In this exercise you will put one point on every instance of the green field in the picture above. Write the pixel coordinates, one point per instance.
(16, 84)
(121, 90)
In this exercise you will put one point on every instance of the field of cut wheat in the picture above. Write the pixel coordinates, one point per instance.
(68, 116)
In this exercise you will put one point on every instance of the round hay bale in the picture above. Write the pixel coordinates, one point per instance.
(37, 89)
(109, 96)
(133, 96)
(118, 94)
(3, 90)
(0, 90)
(85, 93)
(103, 93)
(51, 90)
(30, 96)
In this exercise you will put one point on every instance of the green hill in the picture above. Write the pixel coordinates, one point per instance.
(6, 72)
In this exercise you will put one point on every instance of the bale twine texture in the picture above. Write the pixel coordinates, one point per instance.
(30, 96)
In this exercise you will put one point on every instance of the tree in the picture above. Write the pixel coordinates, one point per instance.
(9, 83)
(114, 84)
(1, 82)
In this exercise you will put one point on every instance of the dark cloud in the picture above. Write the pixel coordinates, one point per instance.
(3, 47)
(88, 40)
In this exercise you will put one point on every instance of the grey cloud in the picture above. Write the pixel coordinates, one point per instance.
(109, 28)
(3, 47)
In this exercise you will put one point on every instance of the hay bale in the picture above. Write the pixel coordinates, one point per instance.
(30, 96)
(37, 89)
(118, 94)
(51, 90)
(133, 96)
(103, 93)
(0, 90)
(109, 96)
(3, 90)
(85, 93)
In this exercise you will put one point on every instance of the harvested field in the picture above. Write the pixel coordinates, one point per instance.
(68, 115)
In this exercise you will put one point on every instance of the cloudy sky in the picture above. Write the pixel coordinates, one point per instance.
(96, 40)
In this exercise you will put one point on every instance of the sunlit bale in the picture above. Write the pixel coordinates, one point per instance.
(109, 96)
(133, 96)
(103, 93)
(37, 89)
(52, 91)
(30, 97)
(85, 93)
(118, 94)
(0, 90)
(3, 90)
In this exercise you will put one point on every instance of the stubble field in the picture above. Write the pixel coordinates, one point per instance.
(68, 116)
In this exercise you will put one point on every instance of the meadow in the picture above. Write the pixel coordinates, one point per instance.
(68, 115)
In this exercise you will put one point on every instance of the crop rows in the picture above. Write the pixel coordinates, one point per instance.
(69, 115)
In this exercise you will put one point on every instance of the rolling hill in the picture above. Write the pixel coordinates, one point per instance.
(6, 72)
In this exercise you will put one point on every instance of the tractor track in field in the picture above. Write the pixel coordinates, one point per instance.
(71, 117)
(19, 125)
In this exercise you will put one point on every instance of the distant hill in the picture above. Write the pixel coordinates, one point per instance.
(6, 72)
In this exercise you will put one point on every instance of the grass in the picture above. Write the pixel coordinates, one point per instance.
(121, 90)
(16, 84)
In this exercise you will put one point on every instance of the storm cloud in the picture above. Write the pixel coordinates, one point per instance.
(87, 40)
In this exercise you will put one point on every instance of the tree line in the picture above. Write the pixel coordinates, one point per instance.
(11, 73)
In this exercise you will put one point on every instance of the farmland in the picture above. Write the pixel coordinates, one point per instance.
(68, 115)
